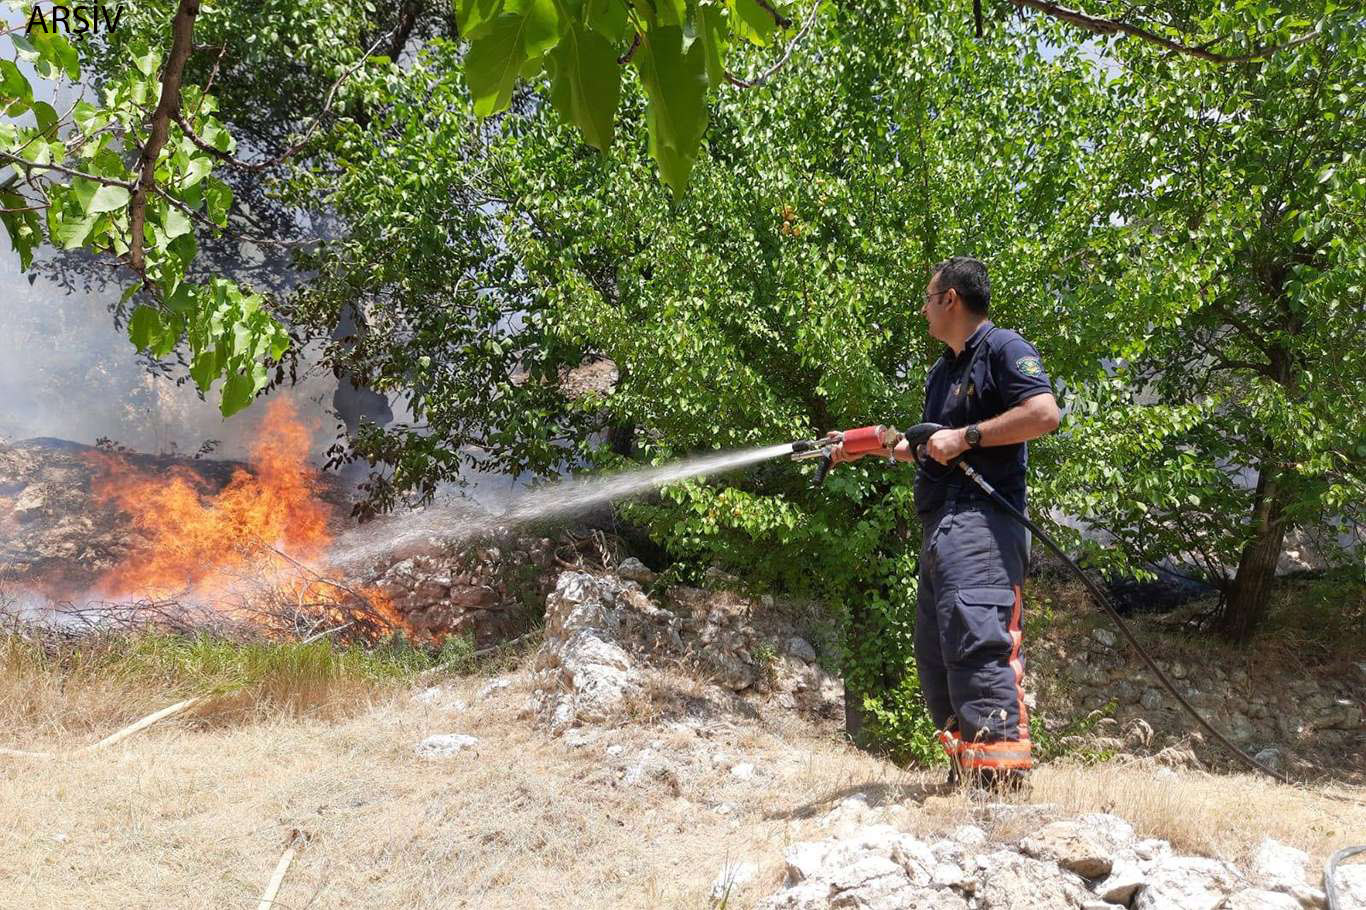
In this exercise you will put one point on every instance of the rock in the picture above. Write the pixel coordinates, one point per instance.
(1271, 757)
(742, 771)
(951, 875)
(581, 737)
(1152, 849)
(1151, 699)
(1072, 846)
(581, 674)
(439, 697)
(1104, 637)
(875, 868)
(969, 835)
(1124, 881)
(731, 879)
(1341, 714)
(801, 649)
(847, 815)
(1240, 728)
(730, 670)
(1009, 881)
(1191, 883)
(633, 569)
(1350, 886)
(1258, 899)
(651, 764)
(1115, 832)
(715, 577)
(445, 744)
(492, 686)
(1278, 867)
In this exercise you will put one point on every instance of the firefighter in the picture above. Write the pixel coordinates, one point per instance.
(990, 388)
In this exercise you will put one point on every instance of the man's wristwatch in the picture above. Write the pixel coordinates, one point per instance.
(973, 436)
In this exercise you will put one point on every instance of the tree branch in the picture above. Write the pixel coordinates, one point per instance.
(29, 165)
(779, 18)
(630, 51)
(258, 166)
(767, 74)
(1113, 27)
(182, 41)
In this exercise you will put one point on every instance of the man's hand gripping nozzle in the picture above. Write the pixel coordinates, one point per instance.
(852, 444)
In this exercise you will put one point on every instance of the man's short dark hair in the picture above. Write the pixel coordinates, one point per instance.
(968, 277)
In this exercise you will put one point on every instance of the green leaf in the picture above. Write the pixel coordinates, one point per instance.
(237, 393)
(108, 199)
(15, 92)
(217, 200)
(204, 369)
(72, 232)
(676, 84)
(212, 132)
(24, 46)
(199, 168)
(46, 117)
(145, 327)
(671, 12)
(474, 18)
(55, 49)
(714, 33)
(146, 59)
(585, 83)
(279, 343)
(493, 61)
(88, 117)
(751, 21)
(177, 223)
(607, 18)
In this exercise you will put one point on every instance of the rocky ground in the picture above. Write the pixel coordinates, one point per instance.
(603, 636)
(1292, 712)
(691, 717)
(604, 662)
(655, 747)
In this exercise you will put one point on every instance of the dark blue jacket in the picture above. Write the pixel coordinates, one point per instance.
(1006, 372)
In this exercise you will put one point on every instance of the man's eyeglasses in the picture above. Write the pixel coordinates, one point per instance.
(937, 294)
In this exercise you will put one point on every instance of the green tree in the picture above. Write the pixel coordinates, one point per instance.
(1232, 292)
(776, 299)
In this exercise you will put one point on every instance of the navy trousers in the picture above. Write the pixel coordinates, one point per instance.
(967, 634)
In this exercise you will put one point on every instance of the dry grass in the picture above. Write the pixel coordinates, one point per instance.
(1214, 815)
(188, 815)
(54, 688)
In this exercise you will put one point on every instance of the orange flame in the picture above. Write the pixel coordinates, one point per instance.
(202, 544)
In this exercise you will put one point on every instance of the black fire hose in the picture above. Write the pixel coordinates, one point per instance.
(917, 436)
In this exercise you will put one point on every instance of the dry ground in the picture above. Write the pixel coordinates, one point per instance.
(195, 813)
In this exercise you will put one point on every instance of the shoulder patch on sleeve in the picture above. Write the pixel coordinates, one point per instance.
(1030, 366)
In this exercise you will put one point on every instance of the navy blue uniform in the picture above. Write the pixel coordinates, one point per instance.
(973, 557)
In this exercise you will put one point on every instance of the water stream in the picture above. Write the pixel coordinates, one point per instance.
(418, 531)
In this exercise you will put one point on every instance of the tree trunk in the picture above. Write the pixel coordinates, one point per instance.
(1251, 591)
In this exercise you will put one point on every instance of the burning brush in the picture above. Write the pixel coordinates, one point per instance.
(252, 554)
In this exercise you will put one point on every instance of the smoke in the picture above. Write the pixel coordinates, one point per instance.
(66, 371)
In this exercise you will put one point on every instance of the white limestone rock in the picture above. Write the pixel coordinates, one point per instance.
(1191, 883)
(443, 745)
